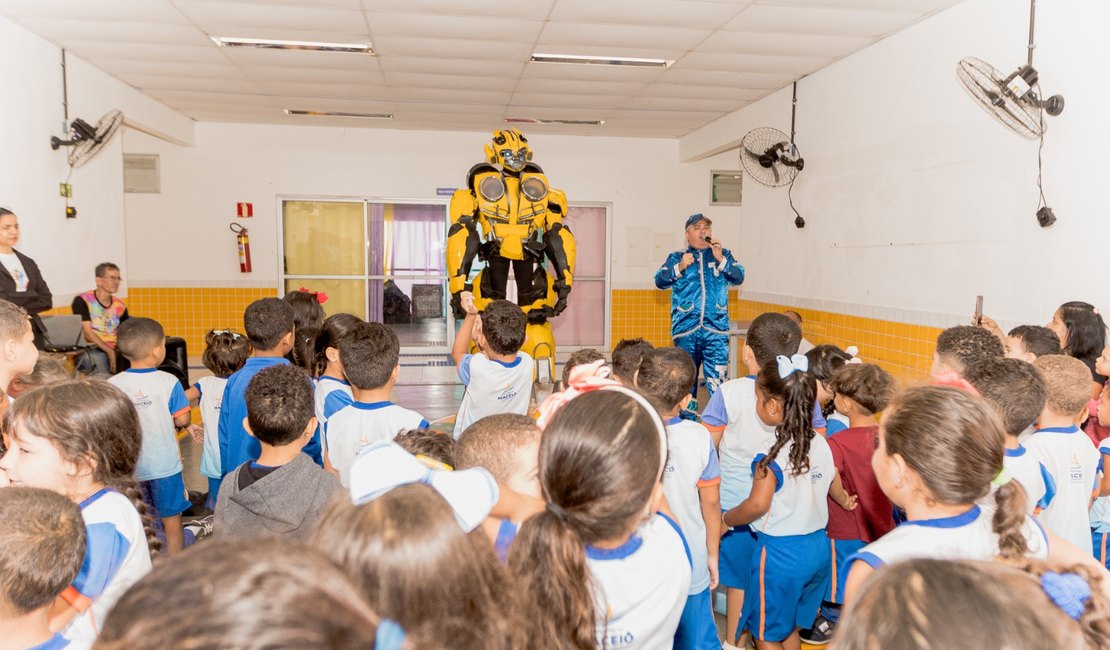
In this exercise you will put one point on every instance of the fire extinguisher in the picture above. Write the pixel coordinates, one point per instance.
(244, 243)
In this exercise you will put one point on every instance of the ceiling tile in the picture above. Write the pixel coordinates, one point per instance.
(796, 65)
(731, 93)
(124, 68)
(313, 75)
(223, 18)
(814, 45)
(95, 50)
(330, 4)
(667, 13)
(625, 74)
(917, 6)
(466, 82)
(311, 89)
(214, 98)
(456, 26)
(574, 101)
(685, 104)
(151, 82)
(559, 86)
(451, 96)
(533, 9)
(508, 70)
(811, 20)
(61, 30)
(441, 109)
(99, 10)
(750, 80)
(671, 38)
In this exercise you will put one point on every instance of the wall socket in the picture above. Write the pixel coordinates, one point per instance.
(66, 190)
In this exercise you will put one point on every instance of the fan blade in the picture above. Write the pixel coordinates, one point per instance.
(775, 169)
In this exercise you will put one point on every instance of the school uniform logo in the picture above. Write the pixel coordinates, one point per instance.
(816, 474)
(141, 399)
(507, 393)
(1075, 472)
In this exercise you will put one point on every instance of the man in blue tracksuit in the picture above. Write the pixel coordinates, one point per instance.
(699, 278)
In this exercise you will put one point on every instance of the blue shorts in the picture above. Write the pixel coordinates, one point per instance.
(735, 561)
(696, 629)
(840, 550)
(1101, 542)
(168, 496)
(789, 578)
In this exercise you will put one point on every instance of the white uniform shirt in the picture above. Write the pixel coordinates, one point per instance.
(800, 504)
(330, 394)
(116, 557)
(353, 427)
(211, 390)
(1072, 463)
(158, 397)
(744, 436)
(1100, 509)
(641, 587)
(493, 387)
(1033, 476)
(967, 536)
(691, 465)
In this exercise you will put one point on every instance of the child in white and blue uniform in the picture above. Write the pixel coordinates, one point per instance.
(945, 495)
(691, 483)
(731, 418)
(225, 353)
(332, 390)
(621, 567)
(788, 507)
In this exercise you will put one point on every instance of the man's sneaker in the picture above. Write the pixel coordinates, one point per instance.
(820, 634)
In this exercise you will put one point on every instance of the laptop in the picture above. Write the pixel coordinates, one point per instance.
(63, 333)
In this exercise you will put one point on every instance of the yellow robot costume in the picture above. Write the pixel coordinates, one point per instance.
(509, 216)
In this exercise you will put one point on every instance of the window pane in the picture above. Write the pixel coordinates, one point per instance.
(583, 323)
(344, 296)
(408, 239)
(416, 310)
(324, 238)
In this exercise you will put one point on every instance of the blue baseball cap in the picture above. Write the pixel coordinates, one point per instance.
(694, 218)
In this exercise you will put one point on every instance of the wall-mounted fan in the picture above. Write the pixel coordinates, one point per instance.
(771, 158)
(87, 140)
(1015, 101)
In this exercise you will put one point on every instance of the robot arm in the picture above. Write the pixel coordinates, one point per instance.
(463, 244)
(559, 248)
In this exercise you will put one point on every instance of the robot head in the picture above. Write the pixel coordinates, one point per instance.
(509, 149)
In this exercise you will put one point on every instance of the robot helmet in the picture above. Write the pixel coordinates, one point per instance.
(509, 149)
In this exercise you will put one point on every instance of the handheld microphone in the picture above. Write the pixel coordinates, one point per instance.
(709, 240)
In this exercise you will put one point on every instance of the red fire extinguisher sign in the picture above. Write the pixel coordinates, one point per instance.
(244, 244)
(244, 210)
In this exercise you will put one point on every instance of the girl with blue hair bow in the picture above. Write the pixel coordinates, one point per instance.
(788, 509)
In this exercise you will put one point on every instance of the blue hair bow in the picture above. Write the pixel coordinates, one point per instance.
(1068, 591)
(791, 365)
(390, 635)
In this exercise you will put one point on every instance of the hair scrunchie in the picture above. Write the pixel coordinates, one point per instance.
(1068, 591)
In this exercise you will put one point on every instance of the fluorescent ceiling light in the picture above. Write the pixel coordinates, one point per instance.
(536, 120)
(601, 60)
(369, 116)
(311, 46)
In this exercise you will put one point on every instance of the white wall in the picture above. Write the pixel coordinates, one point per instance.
(916, 200)
(30, 112)
(649, 190)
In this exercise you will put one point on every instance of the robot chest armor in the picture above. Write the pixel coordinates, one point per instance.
(512, 200)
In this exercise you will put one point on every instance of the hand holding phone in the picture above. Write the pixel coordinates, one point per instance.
(978, 318)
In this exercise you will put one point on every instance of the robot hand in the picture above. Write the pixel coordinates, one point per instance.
(457, 310)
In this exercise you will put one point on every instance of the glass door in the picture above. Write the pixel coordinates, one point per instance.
(379, 260)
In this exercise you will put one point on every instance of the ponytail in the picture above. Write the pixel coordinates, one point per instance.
(1009, 520)
(798, 393)
(549, 559)
(130, 489)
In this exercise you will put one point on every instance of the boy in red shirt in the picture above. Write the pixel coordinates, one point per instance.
(861, 391)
